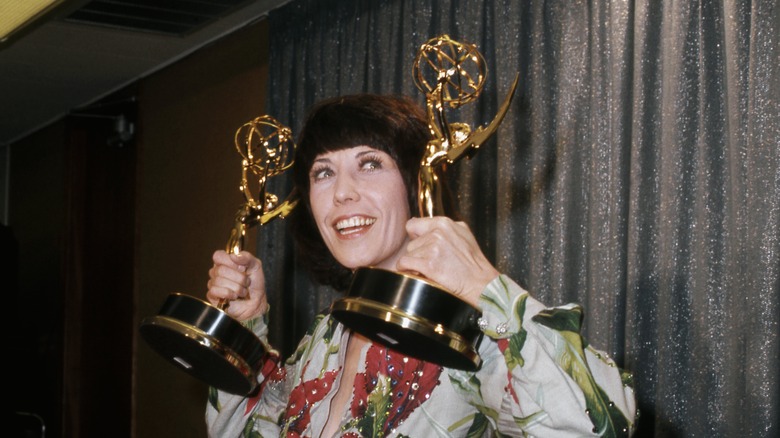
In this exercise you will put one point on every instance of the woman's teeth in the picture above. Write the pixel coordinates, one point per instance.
(345, 226)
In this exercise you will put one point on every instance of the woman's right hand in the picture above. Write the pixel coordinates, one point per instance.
(239, 280)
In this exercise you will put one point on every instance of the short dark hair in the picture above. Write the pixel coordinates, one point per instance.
(392, 124)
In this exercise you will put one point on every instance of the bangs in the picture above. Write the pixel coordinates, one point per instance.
(340, 127)
(350, 121)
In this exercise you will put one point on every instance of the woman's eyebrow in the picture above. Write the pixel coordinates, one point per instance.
(366, 152)
(321, 160)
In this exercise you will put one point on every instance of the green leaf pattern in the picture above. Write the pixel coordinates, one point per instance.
(371, 424)
(570, 356)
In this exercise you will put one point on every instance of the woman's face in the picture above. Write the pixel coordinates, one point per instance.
(359, 203)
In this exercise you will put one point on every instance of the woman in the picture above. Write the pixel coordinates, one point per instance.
(356, 168)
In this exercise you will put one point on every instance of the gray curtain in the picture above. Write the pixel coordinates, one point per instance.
(637, 173)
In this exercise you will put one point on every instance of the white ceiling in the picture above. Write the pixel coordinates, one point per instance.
(60, 65)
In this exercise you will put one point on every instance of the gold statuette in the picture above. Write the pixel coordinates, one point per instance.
(203, 339)
(450, 74)
(406, 312)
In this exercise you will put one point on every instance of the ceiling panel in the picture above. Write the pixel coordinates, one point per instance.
(63, 65)
(173, 17)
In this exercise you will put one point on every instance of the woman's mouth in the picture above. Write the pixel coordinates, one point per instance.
(353, 224)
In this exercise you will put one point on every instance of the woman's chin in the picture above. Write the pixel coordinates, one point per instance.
(358, 259)
(366, 263)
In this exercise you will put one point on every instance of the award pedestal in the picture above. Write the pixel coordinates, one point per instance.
(203, 339)
(412, 316)
(205, 342)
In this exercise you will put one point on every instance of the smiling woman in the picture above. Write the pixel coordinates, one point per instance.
(357, 199)
(395, 128)
(356, 167)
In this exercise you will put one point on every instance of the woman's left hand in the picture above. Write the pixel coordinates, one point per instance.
(447, 253)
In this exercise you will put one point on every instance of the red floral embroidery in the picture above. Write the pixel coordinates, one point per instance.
(271, 372)
(503, 344)
(303, 397)
(411, 382)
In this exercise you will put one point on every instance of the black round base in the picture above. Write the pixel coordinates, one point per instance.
(206, 343)
(411, 316)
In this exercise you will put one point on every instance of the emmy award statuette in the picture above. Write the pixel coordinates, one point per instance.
(409, 313)
(203, 339)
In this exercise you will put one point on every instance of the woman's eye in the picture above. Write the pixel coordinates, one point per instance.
(321, 173)
(371, 163)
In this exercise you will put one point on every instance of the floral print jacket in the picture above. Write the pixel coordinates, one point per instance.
(538, 378)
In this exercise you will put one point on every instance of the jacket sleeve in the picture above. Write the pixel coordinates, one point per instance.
(230, 415)
(539, 377)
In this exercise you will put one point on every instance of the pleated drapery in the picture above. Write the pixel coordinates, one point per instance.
(637, 173)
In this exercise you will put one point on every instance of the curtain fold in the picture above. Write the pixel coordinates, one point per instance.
(637, 173)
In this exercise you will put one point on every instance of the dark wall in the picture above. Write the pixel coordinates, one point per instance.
(104, 232)
(188, 195)
(36, 224)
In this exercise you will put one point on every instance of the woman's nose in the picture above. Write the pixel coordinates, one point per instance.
(346, 189)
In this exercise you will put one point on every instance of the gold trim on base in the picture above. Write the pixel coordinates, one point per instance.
(407, 320)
